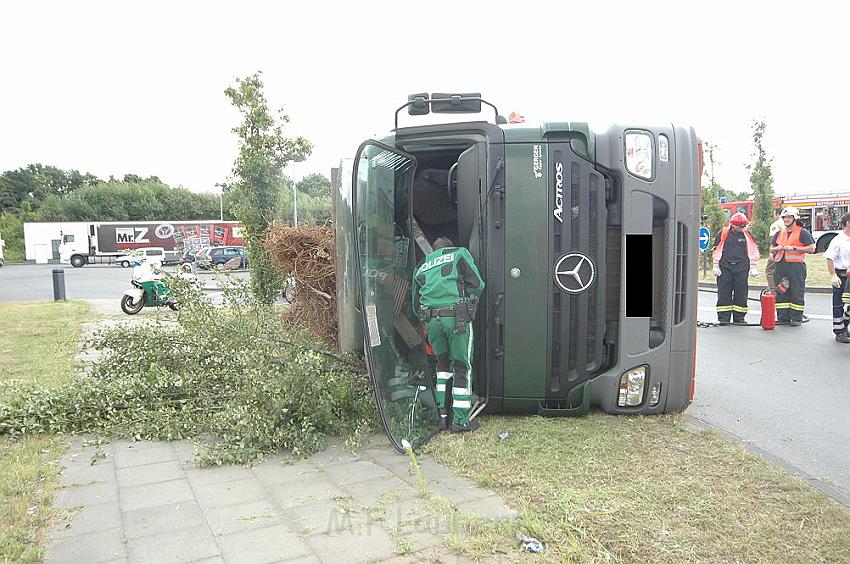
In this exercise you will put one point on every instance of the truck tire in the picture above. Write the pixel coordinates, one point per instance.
(125, 264)
(132, 308)
(78, 260)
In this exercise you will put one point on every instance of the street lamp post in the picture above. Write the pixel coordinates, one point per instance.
(220, 200)
(295, 203)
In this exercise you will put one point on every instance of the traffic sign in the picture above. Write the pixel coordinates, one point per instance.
(704, 238)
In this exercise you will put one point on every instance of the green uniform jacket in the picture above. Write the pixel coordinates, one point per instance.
(444, 277)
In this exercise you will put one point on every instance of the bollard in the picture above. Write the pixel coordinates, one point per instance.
(58, 284)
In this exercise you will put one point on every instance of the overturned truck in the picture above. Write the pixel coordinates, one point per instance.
(586, 240)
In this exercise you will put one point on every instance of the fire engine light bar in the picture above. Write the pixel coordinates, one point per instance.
(632, 386)
(639, 154)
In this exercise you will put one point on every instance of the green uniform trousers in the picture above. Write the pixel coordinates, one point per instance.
(454, 352)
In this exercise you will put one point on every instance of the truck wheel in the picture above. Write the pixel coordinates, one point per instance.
(130, 307)
(125, 264)
(77, 261)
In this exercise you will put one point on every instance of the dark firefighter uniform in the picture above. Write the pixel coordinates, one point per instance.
(791, 267)
(442, 287)
(735, 255)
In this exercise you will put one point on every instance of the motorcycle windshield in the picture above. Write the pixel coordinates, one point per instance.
(395, 348)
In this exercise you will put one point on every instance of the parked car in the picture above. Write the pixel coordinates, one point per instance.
(136, 256)
(215, 257)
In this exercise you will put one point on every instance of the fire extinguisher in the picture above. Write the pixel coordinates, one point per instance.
(768, 310)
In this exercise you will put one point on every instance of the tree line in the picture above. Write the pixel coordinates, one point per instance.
(39, 192)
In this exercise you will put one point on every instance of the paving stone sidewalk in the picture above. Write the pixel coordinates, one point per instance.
(147, 502)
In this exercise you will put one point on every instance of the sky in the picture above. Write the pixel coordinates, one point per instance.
(119, 87)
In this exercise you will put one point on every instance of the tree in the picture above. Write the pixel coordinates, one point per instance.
(258, 175)
(36, 182)
(761, 181)
(315, 185)
(710, 206)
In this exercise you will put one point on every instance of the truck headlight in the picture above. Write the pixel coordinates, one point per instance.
(632, 387)
(639, 154)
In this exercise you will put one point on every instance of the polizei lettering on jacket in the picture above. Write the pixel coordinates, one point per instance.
(442, 259)
(559, 191)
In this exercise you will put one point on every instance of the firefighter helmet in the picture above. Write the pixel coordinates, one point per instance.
(739, 219)
(792, 211)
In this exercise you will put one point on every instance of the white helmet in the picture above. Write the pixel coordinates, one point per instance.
(792, 211)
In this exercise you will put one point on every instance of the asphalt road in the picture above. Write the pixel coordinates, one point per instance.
(784, 393)
(32, 282)
(27, 282)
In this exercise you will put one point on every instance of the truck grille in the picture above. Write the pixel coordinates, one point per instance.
(577, 319)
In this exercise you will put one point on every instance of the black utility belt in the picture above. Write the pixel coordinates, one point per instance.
(431, 312)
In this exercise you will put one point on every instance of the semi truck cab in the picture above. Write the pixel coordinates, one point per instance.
(586, 241)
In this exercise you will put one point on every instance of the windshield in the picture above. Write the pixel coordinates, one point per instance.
(395, 350)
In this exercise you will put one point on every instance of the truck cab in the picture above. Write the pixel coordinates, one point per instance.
(586, 241)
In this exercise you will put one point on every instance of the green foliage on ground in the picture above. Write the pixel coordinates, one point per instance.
(607, 488)
(37, 346)
(264, 151)
(232, 377)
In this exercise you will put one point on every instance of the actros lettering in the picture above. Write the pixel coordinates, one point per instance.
(559, 191)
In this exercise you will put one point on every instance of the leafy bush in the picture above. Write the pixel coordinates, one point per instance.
(232, 377)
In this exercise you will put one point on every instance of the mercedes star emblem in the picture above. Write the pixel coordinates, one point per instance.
(574, 273)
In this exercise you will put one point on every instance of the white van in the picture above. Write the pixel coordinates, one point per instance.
(153, 255)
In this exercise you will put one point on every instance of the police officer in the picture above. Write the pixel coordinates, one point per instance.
(837, 261)
(789, 248)
(445, 290)
(735, 255)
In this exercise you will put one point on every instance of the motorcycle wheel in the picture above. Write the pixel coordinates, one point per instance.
(173, 306)
(131, 308)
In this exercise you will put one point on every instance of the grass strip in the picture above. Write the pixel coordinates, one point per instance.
(38, 341)
(640, 489)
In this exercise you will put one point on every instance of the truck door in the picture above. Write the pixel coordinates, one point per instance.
(401, 374)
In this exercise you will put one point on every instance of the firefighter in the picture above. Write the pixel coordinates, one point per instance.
(735, 255)
(446, 287)
(837, 262)
(789, 248)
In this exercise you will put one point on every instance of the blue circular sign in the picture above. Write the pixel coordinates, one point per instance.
(704, 238)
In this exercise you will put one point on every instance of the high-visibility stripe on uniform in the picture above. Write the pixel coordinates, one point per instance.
(462, 404)
(783, 305)
(724, 308)
(796, 307)
(740, 309)
(443, 376)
